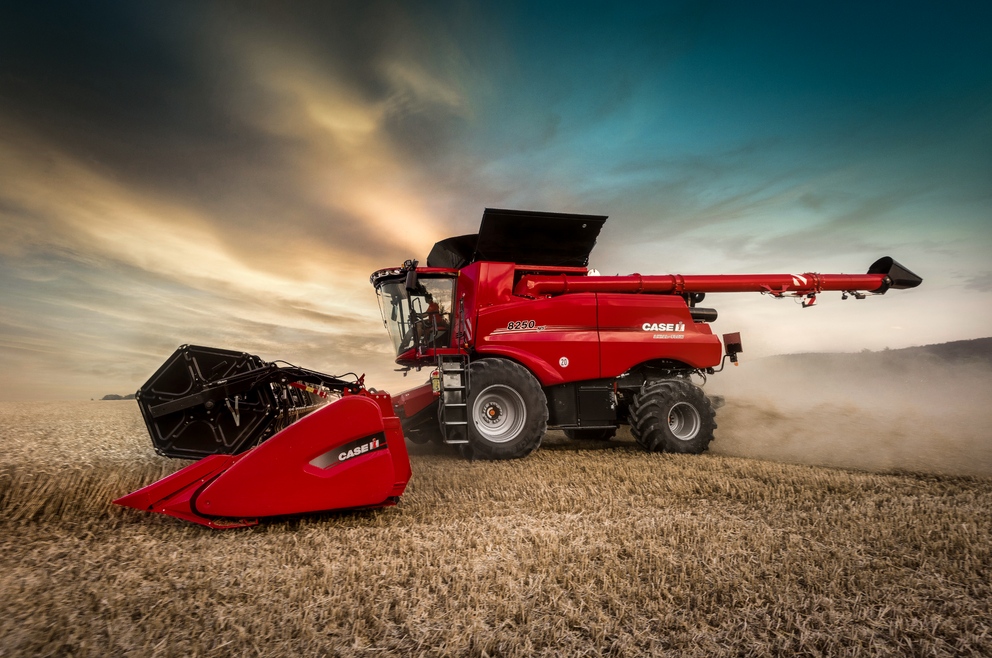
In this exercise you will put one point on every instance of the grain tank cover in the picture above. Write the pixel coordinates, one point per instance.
(525, 237)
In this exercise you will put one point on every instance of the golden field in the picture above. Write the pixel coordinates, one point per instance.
(580, 549)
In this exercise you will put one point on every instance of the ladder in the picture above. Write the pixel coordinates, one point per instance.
(453, 412)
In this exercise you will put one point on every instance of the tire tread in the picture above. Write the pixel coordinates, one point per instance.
(649, 416)
(492, 371)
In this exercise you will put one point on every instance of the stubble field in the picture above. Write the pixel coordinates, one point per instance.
(580, 549)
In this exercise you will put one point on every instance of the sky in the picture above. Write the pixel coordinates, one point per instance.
(229, 174)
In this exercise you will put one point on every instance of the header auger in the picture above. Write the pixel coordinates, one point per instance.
(520, 336)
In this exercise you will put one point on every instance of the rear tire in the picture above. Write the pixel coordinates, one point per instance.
(508, 411)
(670, 415)
(601, 434)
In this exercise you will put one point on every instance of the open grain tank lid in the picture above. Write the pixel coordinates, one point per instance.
(525, 237)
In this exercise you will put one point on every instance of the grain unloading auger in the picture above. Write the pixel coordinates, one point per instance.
(520, 337)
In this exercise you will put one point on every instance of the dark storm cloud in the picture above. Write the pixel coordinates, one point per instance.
(111, 84)
(162, 97)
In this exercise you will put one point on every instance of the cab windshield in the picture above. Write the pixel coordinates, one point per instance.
(420, 319)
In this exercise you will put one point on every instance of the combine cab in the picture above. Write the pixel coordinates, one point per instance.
(519, 335)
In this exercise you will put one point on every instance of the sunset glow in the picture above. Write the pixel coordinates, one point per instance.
(212, 174)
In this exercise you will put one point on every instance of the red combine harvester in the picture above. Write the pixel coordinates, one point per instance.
(521, 337)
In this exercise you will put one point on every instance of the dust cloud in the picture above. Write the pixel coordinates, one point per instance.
(899, 410)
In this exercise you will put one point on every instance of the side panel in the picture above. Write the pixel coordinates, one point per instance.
(344, 455)
(480, 285)
(411, 401)
(582, 404)
(638, 328)
(484, 284)
(556, 338)
(165, 494)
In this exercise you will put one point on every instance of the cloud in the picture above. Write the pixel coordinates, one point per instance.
(215, 172)
(209, 178)
(260, 121)
(103, 281)
(981, 282)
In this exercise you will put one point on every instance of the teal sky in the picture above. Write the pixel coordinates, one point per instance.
(229, 174)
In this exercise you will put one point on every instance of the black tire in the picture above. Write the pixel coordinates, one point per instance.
(507, 410)
(423, 434)
(671, 415)
(601, 434)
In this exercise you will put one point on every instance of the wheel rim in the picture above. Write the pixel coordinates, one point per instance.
(499, 413)
(683, 420)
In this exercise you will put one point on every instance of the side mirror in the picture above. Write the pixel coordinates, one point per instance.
(411, 275)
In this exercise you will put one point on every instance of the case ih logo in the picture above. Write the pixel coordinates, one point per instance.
(678, 326)
(350, 450)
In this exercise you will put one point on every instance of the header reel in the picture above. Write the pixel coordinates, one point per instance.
(206, 401)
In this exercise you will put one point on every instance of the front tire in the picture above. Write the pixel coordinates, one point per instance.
(508, 411)
(671, 415)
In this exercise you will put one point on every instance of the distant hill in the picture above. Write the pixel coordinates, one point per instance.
(111, 396)
(959, 352)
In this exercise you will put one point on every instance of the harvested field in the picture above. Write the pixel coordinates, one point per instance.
(580, 549)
